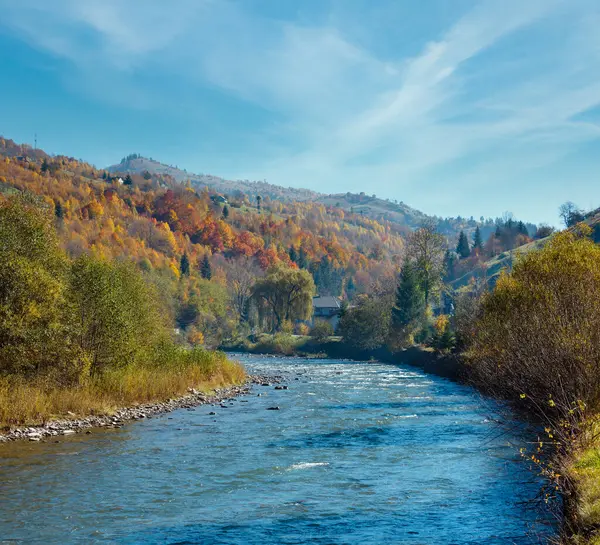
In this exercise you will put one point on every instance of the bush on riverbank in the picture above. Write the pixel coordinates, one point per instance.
(537, 337)
(536, 340)
(83, 336)
(40, 399)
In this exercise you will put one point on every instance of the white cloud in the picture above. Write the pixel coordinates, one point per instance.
(346, 115)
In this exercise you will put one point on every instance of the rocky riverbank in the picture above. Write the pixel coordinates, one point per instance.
(72, 425)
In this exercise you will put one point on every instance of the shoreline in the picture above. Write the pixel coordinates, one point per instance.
(61, 427)
(447, 366)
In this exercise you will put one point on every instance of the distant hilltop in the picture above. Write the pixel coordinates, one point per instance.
(359, 203)
(136, 164)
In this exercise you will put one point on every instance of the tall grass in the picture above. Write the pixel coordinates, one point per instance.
(33, 402)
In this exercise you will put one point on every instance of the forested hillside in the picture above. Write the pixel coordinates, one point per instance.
(207, 250)
(196, 243)
(361, 204)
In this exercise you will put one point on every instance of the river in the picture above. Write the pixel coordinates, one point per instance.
(359, 453)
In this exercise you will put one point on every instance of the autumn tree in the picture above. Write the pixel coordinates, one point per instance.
(33, 290)
(117, 314)
(536, 337)
(287, 293)
(241, 273)
(426, 248)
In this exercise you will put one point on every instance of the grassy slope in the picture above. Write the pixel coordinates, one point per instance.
(493, 267)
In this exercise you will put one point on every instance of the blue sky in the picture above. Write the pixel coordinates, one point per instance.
(452, 106)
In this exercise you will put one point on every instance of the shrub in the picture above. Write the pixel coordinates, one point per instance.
(537, 336)
(321, 330)
(366, 326)
(302, 329)
(117, 319)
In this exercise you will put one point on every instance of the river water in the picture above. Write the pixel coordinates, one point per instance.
(359, 453)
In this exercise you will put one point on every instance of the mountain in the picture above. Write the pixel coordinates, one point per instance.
(136, 164)
(368, 206)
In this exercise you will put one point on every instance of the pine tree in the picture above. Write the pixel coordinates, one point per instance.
(58, 210)
(293, 254)
(225, 212)
(184, 264)
(45, 165)
(522, 229)
(462, 249)
(128, 180)
(477, 242)
(410, 299)
(350, 287)
(450, 265)
(205, 268)
(302, 262)
(258, 201)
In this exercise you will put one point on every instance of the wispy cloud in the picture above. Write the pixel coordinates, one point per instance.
(501, 92)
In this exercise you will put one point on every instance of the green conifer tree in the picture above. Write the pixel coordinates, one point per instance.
(409, 307)
(58, 210)
(184, 264)
(205, 268)
(293, 254)
(477, 242)
(462, 248)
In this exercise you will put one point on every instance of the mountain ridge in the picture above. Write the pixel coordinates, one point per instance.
(367, 205)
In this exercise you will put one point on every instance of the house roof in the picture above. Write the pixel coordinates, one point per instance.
(326, 301)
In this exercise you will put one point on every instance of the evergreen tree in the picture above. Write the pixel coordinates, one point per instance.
(205, 268)
(522, 229)
(410, 299)
(293, 254)
(225, 212)
(184, 264)
(128, 180)
(302, 262)
(58, 210)
(350, 287)
(462, 249)
(450, 264)
(45, 165)
(477, 242)
(258, 201)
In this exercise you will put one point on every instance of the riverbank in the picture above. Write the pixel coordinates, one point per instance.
(36, 400)
(116, 419)
(429, 360)
(581, 489)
